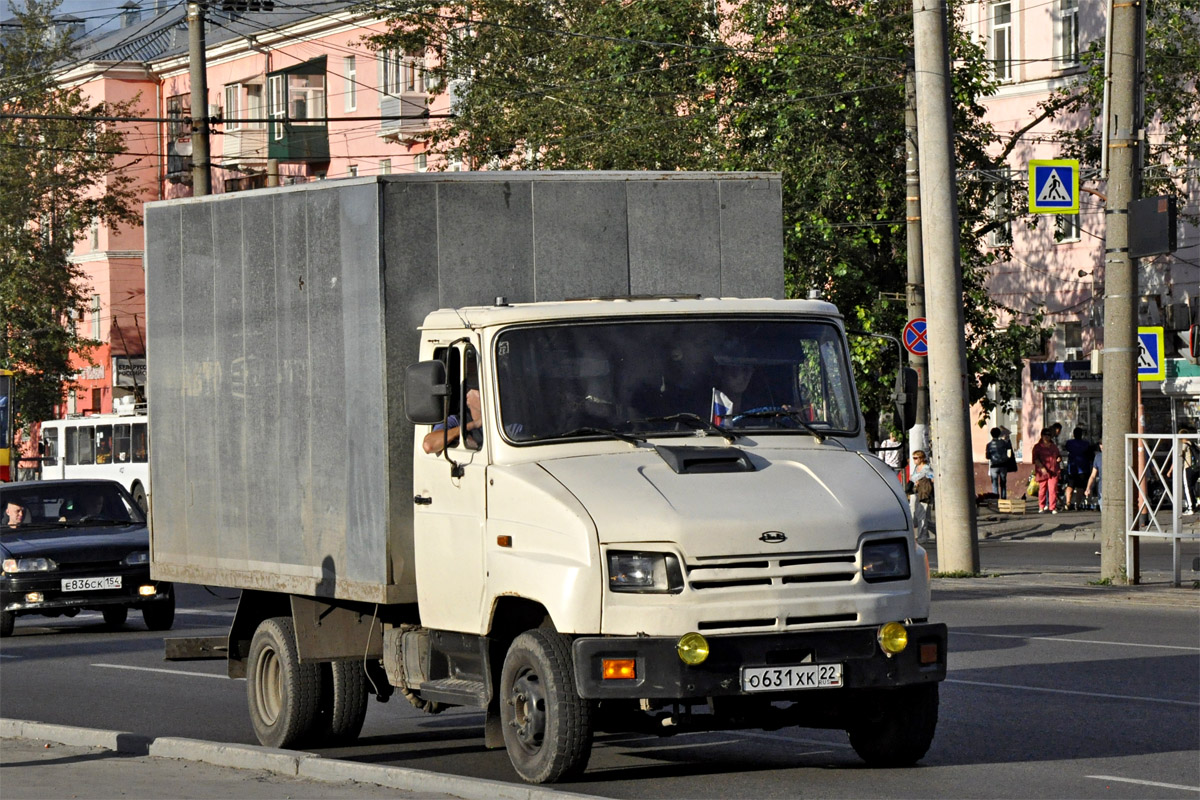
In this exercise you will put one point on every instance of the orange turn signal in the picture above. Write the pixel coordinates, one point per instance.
(504, 541)
(619, 668)
(929, 653)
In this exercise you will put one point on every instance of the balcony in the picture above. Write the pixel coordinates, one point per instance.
(245, 145)
(413, 107)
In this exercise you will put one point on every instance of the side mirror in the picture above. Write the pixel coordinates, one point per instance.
(425, 392)
(906, 397)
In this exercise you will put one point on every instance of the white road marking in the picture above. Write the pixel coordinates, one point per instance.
(1145, 783)
(1135, 698)
(1074, 641)
(167, 671)
(6, 655)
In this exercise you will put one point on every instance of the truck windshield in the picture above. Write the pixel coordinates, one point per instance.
(662, 377)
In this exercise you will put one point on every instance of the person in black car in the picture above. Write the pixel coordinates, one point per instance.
(15, 514)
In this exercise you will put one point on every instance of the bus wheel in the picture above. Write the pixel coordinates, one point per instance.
(115, 616)
(547, 725)
(283, 694)
(139, 497)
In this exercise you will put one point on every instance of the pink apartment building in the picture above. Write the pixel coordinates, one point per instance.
(274, 77)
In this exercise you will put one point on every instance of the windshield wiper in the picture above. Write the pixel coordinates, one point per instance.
(697, 422)
(790, 413)
(630, 438)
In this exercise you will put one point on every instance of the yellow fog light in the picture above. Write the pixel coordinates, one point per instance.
(893, 638)
(692, 648)
(34, 597)
(147, 591)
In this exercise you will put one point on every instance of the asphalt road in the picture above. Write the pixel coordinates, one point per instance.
(1045, 698)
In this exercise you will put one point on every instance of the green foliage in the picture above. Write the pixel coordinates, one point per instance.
(56, 176)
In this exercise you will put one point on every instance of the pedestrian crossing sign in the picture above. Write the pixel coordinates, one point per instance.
(1151, 366)
(1054, 186)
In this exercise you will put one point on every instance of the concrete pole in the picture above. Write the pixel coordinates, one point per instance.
(958, 548)
(198, 71)
(918, 437)
(1120, 282)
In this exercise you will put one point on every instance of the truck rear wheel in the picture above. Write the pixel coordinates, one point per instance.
(343, 701)
(547, 726)
(282, 693)
(897, 725)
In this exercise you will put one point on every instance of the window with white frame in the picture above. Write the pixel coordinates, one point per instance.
(233, 106)
(1066, 228)
(1066, 34)
(401, 74)
(306, 99)
(352, 170)
(277, 104)
(350, 72)
(95, 233)
(385, 166)
(1002, 41)
(422, 162)
(254, 106)
(1001, 235)
(95, 316)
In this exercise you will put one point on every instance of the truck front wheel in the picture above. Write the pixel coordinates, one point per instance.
(283, 694)
(547, 726)
(895, 726)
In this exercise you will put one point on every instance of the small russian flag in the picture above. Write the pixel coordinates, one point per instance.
(722, 407)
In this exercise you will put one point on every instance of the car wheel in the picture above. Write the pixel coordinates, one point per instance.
(8, 621)
(343, 702)
(547, 725)
(896, 726)
(115, 616)
(160, 615)
(283, 694)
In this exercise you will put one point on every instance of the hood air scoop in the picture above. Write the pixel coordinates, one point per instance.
(705, 460)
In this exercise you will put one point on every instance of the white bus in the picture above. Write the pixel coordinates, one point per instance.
(113, 446)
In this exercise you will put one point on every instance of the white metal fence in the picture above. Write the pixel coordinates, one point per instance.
(1158, 490)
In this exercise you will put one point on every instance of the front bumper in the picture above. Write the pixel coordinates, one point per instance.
(661, 675)
(14, 588)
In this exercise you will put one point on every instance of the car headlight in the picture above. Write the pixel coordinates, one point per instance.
(14, 565)
(885, 561)
(644, 572)
(137, 557)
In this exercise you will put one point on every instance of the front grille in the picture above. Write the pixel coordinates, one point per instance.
(718, 572)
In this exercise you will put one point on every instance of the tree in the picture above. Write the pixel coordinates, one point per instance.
(56, 177)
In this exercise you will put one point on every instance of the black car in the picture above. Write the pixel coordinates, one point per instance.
(73, 545)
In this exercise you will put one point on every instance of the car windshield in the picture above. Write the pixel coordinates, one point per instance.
(82, 504)
(702, 376)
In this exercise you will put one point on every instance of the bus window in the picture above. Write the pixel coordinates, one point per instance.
(72, 436)
(121, 443)
(50, 447)
(86, 448)
(141, 444)
(104, 444)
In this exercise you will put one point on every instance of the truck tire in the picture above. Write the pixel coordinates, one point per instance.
(547, 726)
(282, 693)
(343, 702)
(7, 621)
(115, 616)
(160, 615)
(897, 725)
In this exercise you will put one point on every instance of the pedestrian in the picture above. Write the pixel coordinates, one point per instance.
(1093, 485)
(890, 452)
(1190, 455)
(1045, 469)
(999, 455)
(1079, 462)
(921, 494)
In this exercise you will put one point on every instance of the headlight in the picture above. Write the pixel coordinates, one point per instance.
(138, 557)
(644, 572)
(885, 561)
(13, 565)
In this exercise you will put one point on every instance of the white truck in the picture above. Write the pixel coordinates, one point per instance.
(638, 514)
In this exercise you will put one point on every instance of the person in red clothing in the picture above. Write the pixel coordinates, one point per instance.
(1045, 470)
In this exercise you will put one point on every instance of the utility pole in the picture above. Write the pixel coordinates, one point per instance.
(198, 70)
(1122, 124)
(918, 438)
(958, 547)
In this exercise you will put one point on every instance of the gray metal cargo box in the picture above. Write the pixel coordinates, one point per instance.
(280, 322)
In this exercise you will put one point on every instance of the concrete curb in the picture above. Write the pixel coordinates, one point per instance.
(290, 763)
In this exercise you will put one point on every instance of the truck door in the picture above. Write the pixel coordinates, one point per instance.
(450, 497)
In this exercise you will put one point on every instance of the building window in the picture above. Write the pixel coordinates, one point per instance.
(95, 316)
(1066, 38)
(455, 163)
(1002, 41)
(277, 106)
(385, 167)
(95, 233)
(422, 161)
(254, 106)
(351, 75)
(352, 170)
(306, 99)
(233, 106)
(1001, 235)
(401, 74)
(179, 107)
(1066, 228)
